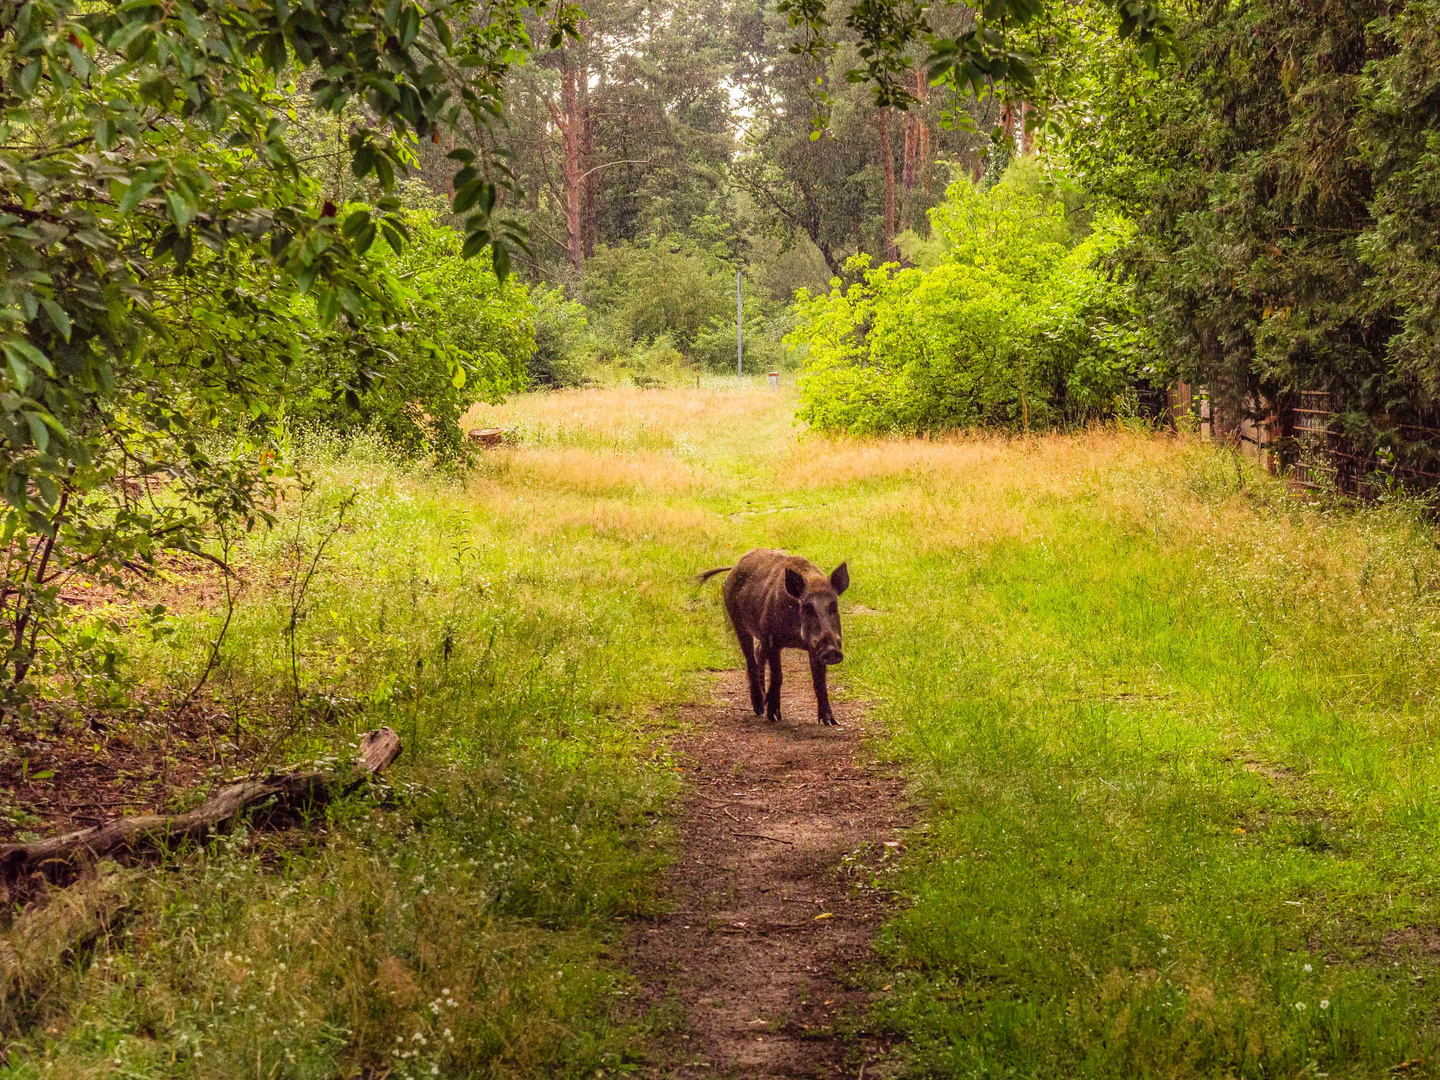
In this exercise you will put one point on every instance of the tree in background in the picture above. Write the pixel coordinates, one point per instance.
(625, 132)
(1014, 325)
(1283, 181)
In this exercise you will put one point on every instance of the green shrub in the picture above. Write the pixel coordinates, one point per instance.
(714, 348)
(1015, 326)
(563, 342)
(467, 339)
(638, 292)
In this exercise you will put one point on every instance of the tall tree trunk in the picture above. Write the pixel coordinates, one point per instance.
(912, 140)
(587, 146)
(574, 174)
(917, 136)
(917, 148)
(922, 135)
(907, 169)
(887, 162)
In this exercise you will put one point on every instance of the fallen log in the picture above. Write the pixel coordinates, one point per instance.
(60, 859)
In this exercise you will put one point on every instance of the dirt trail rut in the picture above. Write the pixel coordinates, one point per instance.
(768, 914)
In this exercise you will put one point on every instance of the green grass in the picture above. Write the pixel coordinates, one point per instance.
(1170, 729)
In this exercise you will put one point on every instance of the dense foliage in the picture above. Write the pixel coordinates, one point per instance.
(1284, 180)
(681, 296)
(1016, 326)
(159, 240)
(464, 337)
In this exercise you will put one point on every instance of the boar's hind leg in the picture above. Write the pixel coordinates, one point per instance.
(822, 697)
(752, 668)
(772, 701)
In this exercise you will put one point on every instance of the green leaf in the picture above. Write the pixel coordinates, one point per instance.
(30, 354)
(30, 76)
(474, 244)
(20, 373)
(479, 191)
(38, 431)
(442, 29)
(409, 27)
(355, 223)
(500, 257)
(180, 211)
(57, 316)
(275, 54)
(138, 190)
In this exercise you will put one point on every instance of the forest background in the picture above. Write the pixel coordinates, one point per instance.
(260, 259)
(1253, 210)
(225, 227)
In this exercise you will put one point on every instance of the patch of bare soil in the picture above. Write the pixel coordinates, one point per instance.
(773, 898)
(59, 773)
(1412, 940)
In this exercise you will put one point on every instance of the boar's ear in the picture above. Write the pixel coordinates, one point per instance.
(840, 578)
(794, 583)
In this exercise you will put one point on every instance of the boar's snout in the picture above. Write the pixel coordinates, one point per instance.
(832, 655)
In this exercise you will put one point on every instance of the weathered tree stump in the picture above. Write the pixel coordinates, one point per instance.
(490, 436)
(59, 859)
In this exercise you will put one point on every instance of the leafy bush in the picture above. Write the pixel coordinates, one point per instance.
(1016, 326)
(714, 347)
(466, 338)
(165, 254)
(641, 291)
(563, 341)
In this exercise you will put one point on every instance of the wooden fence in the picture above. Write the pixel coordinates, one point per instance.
(1307, 439)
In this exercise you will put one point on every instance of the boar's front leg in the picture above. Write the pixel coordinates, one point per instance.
(772, 701)
(822, 697)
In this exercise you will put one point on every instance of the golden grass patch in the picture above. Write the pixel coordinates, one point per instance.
(625, 417)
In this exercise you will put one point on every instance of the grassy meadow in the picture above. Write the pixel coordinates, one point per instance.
(1170, 729)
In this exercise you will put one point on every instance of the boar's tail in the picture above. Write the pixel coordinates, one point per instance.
(708, 574)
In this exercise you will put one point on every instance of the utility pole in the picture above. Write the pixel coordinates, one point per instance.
(739, 326)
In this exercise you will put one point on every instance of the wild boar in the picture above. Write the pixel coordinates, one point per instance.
(777, 601)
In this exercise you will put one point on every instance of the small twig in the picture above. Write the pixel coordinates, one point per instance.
(224, 564)
(726, 811)
(298, 591)
(762, 836)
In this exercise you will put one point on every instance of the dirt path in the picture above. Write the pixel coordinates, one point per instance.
(769, 914)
